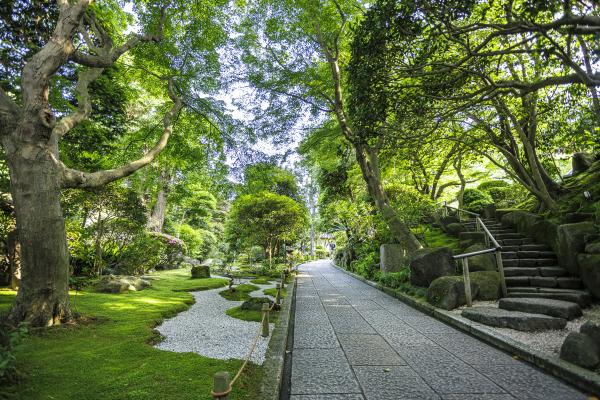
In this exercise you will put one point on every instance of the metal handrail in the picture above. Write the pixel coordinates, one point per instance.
(496, 249)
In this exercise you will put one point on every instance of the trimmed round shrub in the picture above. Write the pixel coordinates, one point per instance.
(476, 200)
(487, 185)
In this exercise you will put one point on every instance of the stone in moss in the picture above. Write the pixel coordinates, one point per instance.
(448, 292)
(488, 283)
(455, 228)
(201, 271)
(255, 303)
(482, 262)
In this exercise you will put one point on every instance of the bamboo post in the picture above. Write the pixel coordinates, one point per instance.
(265, 320)
(221, 385)
(278, 296)
(501, 272)
(467, 279)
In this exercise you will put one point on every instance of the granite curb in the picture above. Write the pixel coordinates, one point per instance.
(275, 355)
(572, 374)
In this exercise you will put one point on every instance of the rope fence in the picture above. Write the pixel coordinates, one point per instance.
(222, 385)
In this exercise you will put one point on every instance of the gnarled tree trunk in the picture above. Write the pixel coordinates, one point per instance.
(159, 210)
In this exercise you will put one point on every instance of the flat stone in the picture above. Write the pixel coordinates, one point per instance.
(396, 382)
(553, 308)
(316, 371)
(368, 350)
(521, 321)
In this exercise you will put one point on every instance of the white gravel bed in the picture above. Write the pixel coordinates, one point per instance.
(547, 342)
(205, 329)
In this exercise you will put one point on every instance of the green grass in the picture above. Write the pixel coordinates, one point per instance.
(240, 293)
(250, 315)
(109, 357)
(263, 280)
(273, 292)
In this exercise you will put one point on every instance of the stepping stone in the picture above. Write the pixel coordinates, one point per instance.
(583, 299)
(543, 281)
(569, 283)
(553, 308)
(521, 321)
(552, 271)
(517, 280)
(512, 271)
(537, 247)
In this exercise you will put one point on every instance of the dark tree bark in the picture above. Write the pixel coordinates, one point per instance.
(30, 136)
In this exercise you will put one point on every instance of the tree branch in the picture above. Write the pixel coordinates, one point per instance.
(78, 179)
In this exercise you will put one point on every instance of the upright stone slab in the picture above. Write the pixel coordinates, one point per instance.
(430, 263)
(571, 240)
(393, 257)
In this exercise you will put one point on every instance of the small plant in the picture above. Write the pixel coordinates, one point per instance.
(395, 280)
(10, 340)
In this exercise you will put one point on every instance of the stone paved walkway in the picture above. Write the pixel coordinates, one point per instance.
(353, 342)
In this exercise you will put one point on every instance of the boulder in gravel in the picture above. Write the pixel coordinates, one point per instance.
(121, 284)
(591, 329)
(581, 350)
(448, 292)
(571, 240)
(430, 263)
(201, 271)
(392, 257)
(482, 262)
(488, 283)
(581, 162)
(589, 266)
(500, 318)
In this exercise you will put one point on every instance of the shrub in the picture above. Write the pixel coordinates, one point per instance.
(367, 265)
(321, 252)
(475, 200)
(395, 280)
(10, 340)
(487, 185)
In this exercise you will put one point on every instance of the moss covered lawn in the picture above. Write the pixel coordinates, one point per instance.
(110, 356)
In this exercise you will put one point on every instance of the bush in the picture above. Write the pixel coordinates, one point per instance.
(487, 185)
(475, 200)
(410, 205)
(395, 280)
(10, 340)
(321, 252)
(199, 242)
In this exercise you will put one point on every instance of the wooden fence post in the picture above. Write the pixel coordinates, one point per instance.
(278, 295)
(265, 320)
(467, 279)
(221, 385)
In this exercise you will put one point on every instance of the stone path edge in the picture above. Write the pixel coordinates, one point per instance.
(576, 376)
(275, 354)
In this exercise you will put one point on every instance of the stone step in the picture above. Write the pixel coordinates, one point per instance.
(552, 271)
(545, 290)
(503, 236)
(509, 255)
(515, 242)
(536, 254)
(568, 282)
(521, 321)
(517, 281)
(529, 262)
(516, 271)
(511, 248)
(554, 308)
(535, 246)
(583, 299)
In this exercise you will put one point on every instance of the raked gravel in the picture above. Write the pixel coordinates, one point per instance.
(205, 329)
(548, 342)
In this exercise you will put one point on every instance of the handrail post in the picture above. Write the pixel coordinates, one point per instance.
(467, 278)
(278, 295)
(265, 320)
(221, 385)
(501, 272)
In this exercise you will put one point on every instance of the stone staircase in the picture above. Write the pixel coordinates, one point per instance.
(541, 295)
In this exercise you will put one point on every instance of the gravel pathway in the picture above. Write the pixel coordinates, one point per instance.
(205, 329)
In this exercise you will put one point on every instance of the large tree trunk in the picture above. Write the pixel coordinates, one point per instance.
(367, 160)
(14, 259)
(159, 210)
(43, 297)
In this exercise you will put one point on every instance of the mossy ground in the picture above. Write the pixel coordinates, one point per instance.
(273, 292)
(111, 356)
(435, 237)
(263, 280)
(251, 315)
(239, 293)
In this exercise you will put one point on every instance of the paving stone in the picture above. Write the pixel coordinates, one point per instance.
(328, 397)
(478, 396)
(471, 350)
(319, 371)
(396, 382)
(350, 323)
(457, 378)
(368, 350)
(528, 383)
(521, 321)
(554, 308)
(314, 336)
